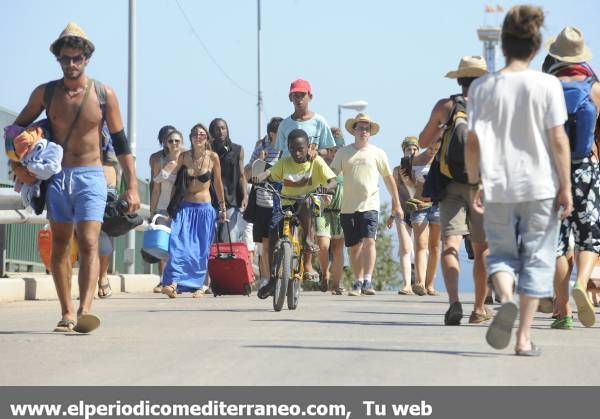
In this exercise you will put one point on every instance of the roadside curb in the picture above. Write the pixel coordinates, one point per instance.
(29, 286)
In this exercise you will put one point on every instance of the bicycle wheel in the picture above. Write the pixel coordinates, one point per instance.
(283, 270)
(293, 293)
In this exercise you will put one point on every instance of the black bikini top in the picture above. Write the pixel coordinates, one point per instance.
(204, 177)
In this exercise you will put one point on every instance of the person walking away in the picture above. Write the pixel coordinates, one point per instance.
(517, 141)
(457, 217)
(567, 59)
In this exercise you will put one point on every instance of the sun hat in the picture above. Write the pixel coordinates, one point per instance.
(410, 141)
(300, 86)
(569, 46)
(72, 29)
(361, 117)
(469, 66)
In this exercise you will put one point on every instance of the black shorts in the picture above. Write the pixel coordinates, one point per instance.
(260, 227)
(358, 226)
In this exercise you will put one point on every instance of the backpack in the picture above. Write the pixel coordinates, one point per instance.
(582, 113)
(452, 150)
(107, 151)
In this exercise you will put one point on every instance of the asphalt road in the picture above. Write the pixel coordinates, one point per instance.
(147, 339)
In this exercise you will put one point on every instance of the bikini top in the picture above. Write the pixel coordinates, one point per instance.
(204, 177)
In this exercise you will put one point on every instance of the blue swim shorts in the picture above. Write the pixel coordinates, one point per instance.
(77, 194)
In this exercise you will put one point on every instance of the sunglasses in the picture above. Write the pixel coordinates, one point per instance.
(67, 59)
(365, 129)
(173, 141)
(200, 135)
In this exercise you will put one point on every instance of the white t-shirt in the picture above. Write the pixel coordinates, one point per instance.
(511, 114)
(361, 170)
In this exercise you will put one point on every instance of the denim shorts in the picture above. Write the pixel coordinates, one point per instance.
(430, 215)
(522, 241)
(77, 194)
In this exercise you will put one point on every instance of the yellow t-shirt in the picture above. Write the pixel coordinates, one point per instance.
(361, 170)
(300, 178)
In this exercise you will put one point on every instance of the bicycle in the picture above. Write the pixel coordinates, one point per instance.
(287, 265)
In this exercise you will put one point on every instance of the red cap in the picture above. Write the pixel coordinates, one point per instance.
(300, 86)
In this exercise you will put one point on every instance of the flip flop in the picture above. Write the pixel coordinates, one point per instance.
(403, 292)
(86, 323)
(534, 351)
(104, 287)
(585, 309)
(64, 326)
(433, 293)
(498, 334)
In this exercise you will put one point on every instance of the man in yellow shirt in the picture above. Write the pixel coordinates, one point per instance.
(361, 165)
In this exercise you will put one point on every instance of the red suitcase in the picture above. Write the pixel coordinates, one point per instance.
(230, 269)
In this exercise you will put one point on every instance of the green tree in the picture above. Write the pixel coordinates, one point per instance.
(387, 270)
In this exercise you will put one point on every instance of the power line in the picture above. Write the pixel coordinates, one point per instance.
(223, 72)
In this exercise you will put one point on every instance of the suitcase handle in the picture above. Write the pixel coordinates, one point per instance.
(228, 235)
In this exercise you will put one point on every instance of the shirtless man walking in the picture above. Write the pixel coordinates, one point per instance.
(76, 197)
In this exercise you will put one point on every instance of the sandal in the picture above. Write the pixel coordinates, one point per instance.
(337, 291)
(64, 326)
(433, 293)
(200, 292)
(104, 289)
(170, 290)
(419, 290)
(311, 276)
(157, 289)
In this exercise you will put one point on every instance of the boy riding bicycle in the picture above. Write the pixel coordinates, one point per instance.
(299, 177)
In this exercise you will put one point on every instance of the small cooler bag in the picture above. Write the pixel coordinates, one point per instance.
(156, 238)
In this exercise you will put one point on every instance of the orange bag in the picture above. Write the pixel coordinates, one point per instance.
(44, 239)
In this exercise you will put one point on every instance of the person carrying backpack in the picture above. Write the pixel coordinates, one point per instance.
(447, 184)
(566, 59)
(76, 197)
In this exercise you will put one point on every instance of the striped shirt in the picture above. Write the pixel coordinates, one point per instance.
(263, 198)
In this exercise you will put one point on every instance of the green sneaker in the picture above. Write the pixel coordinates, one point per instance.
(566, 323)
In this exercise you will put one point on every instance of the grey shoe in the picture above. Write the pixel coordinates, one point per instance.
(498, 334)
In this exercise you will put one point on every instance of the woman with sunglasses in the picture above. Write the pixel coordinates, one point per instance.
(193, 226)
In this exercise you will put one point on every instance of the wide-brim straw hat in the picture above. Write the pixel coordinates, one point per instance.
(72, 29)
(569, 46)
(361, 117)
(469, 66)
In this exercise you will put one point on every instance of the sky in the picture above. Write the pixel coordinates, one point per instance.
(197, 60)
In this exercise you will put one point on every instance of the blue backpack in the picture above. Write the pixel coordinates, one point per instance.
(582, 117)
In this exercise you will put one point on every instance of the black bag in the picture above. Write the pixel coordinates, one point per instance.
(116, 221)
(38, 203)
(435, 182)
(452, 150)
(250, 211)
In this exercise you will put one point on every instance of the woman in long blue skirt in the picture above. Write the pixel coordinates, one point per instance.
(193, 226)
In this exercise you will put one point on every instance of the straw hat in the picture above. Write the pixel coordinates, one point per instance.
(469, 66)
(72, 29)
(569, 46)
(361, 117)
